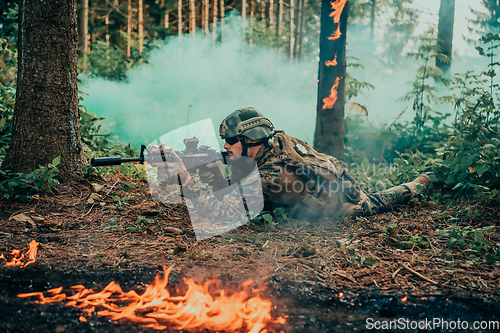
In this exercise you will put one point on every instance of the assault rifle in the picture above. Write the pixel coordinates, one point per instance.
(193, 156)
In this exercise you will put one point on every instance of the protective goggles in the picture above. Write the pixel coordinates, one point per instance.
(232, 141)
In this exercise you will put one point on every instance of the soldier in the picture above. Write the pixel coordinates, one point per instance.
(293, 175)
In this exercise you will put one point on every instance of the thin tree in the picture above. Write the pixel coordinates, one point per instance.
(263, 12)
(280, 17)
(141, 26)
(129, 27)
(179, 18)
(272, 21)
(372, 20)
(329, 133)
(292, 29)
(192, 17)
(214, 28)
(445, 33)
(46, 116)
(222, 20)
(84, 28)
(243, 10)
(298, 33)
(207, 15)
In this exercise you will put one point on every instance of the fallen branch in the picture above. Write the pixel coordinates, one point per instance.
(418, 274)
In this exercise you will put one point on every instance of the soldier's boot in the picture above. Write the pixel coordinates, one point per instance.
(422, 180)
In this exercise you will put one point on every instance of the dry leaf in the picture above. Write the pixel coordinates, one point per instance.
(23, 219)
(360, 108)
(93, 196)
(97, 187)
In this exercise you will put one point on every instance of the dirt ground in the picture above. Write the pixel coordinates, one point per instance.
(324, 276)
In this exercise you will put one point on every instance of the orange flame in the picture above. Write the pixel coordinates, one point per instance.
(329, 101)
(19, 256)
(333, 62)
(196, 309)
(338, 8)
(404, 299)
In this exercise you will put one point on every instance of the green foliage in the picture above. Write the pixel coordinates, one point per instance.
(44, 176)
(424, 92)
(478, 246)
(143, 224)
(112, 226)
(120, 204)
(21, 186)
(97, 144)
(110, 62)
(8, 70)
(349, 251)
(265, 217)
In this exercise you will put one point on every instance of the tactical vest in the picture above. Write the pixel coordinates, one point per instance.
(311, 182)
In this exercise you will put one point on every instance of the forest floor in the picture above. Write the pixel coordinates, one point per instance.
(322, 276)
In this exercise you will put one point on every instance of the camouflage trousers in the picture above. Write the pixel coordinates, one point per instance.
(382, 201)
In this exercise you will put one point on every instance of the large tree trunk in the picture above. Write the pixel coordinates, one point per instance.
(329, 134)
(445, 32)
(46, 117)
(84, 28)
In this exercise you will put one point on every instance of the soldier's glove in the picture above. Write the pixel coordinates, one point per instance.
(241, 167)
(211, 174)
(172, 171)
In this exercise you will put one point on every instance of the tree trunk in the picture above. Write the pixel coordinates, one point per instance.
(298, 28)
(106, 22)
(252, 11)
(167, 19)
(243, 10)
(192, 17)
(272, 21)
(303, 4)
(214, 28)
(207, 17)
(372, 20)
(84, 28)
(203, 2)
(280, 17)
(445, 32)
(222, 20)
(263, 12)
(141, 27)
(129, 27)
(292, 29)
(179, 18)
(46, 117)
(329, 134)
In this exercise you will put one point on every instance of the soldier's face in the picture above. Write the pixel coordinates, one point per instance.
(234, 150)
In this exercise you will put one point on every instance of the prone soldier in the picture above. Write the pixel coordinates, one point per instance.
(293, 175)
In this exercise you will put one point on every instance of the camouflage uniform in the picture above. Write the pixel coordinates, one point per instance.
(350, 202)
(293, 175)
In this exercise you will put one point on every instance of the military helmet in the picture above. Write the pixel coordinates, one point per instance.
(247, 122)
